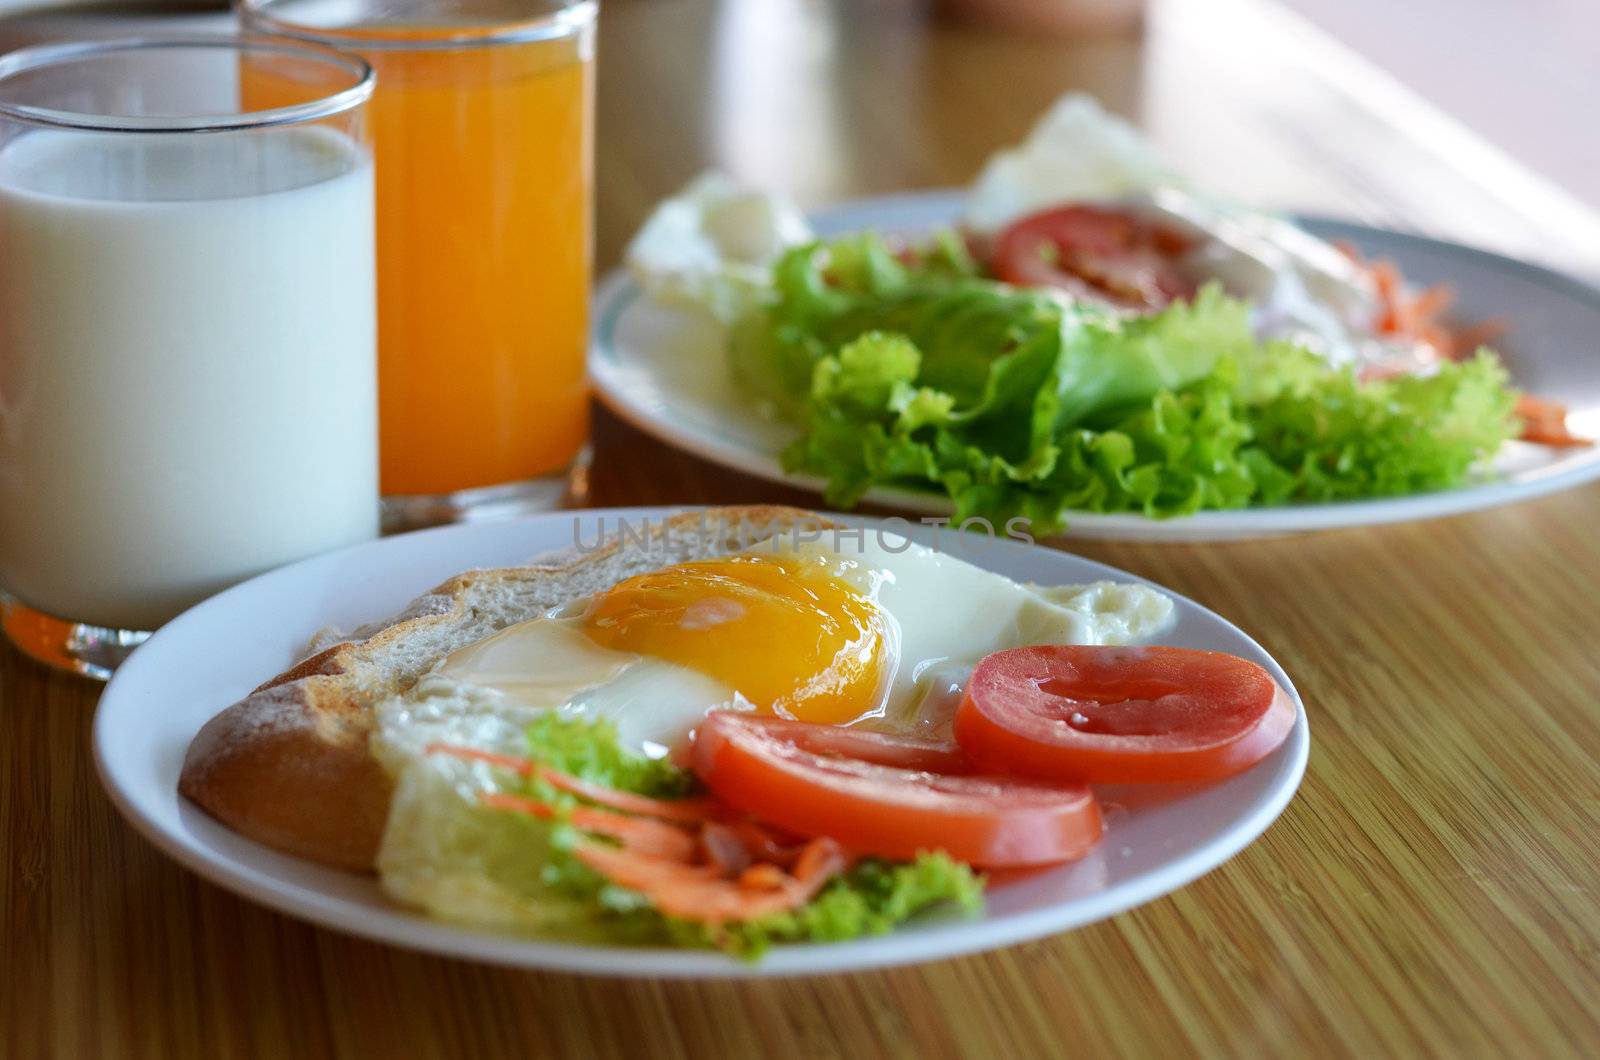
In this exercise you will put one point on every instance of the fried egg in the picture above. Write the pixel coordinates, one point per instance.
(852, 628)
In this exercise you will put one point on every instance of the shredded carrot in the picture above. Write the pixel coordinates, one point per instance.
(1386, 278)
(1432, 302)
(688, 811)
(1420, 316)
(499, 800)
(714, 900)
(634, 833)
(1484, 332)
(1530, 407)
(1545, 422)
(520, 766)
(762, 878)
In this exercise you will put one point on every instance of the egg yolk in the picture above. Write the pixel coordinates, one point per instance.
(787, 636)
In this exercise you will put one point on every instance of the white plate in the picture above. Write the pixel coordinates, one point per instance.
(215, 653)
(663, 371)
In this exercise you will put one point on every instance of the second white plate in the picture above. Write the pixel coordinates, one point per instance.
(664, 372)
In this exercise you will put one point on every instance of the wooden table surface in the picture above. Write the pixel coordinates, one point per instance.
(1433, 887)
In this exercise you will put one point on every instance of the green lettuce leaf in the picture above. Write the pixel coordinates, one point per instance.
(1014, 403)
(590, 751)
(774, 348)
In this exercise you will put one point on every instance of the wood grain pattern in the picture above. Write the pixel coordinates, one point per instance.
(1431, 891)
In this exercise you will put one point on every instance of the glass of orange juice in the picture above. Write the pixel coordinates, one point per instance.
(482, 129)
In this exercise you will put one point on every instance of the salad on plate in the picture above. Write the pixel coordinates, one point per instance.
(1093, 336)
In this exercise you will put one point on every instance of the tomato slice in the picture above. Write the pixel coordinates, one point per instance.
(770, 768)
(1096, 254)
(1121, 715)
(880, 748)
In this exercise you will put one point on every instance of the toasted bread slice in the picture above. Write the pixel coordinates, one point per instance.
(289, 765)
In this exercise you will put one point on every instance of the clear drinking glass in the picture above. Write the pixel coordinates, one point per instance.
(482, 127)
(187, 330)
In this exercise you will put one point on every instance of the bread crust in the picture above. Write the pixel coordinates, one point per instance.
(290, 764)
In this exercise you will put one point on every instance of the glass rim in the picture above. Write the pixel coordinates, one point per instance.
(41, 56)
(565, 21)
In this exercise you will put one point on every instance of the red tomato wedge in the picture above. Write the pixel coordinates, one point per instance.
(771, 769)
(1097, 254)
(1121, 715)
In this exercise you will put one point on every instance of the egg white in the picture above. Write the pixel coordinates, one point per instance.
(943, 616)
(949, 614)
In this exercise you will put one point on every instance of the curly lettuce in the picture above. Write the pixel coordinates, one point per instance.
(912, 370)
(871, 899)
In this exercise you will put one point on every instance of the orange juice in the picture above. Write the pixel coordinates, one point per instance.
(483, 153)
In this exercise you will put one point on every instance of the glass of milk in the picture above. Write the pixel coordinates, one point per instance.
(188, 388)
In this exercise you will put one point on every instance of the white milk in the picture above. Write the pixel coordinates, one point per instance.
(187, 364)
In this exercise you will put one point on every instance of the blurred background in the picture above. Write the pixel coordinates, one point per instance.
(1524, 74)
